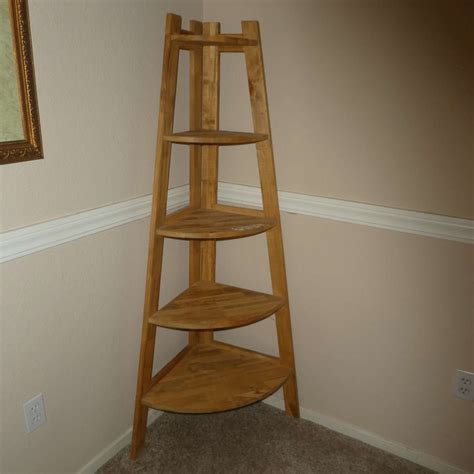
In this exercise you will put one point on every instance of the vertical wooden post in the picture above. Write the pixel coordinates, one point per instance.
(158, 214)
(195, 159)
(266, 166)
(210, 153)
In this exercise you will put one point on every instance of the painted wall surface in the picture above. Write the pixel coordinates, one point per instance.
(98, 74)
(70, 328)
(372, 102)
(381, 320)
(71, 315)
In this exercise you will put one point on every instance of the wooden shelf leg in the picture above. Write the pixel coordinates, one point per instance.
(266, 166)
(158, 214)
(195, 158)
(210, 153)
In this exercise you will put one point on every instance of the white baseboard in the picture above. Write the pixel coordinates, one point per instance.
(114, 447)
(423, 459)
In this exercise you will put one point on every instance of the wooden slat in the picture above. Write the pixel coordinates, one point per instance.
(206, 224)
(210, 153)
(215, 137)
(246, 211)
(176, 214)
(211, 305)
(225, 48)
(211, 39)
(158, 215)
(215, 377)
(266, 166)
(232, 48)
(167, 368)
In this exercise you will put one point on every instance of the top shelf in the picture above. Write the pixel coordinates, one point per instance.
(212, 40)
(215, 137)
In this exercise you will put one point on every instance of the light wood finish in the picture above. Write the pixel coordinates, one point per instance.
(210, 39)
(266, 166)
(210, 153)
(195, 157)
(208, 376)
(158, 214)
(167, 367)
(180, 212)
(246, 211)
(209, 224)
(213, 377)
(211, 137)
(211, 305)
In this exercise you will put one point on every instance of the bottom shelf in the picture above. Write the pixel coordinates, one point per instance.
(213, 377)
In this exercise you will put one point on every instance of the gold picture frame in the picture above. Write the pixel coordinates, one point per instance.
(30, 147)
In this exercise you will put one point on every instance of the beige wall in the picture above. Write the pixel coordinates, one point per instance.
(70, 328)
(71, 315)
(372, 102)
(381, 320)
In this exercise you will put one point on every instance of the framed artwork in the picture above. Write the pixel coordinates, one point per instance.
(20, 134)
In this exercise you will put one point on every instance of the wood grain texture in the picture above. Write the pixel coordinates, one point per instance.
(211, 305)
(210, 153)
(211, 39)
(246, 211)
(208, 376)
(215, 137)
(266, 167)
(195, 156)
(158, 214)
(207, 224)
(213, 377)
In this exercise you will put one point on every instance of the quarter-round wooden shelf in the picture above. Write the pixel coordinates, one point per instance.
(209, 224)
(213, 377)
(215, 137)
(208, 305)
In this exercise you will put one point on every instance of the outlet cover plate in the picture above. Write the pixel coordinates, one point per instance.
(464, 385)
(35, 414)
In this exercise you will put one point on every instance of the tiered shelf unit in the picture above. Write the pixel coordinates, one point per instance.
(209, 376)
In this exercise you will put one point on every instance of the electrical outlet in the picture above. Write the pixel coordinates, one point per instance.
(464, 385)
(34, 412)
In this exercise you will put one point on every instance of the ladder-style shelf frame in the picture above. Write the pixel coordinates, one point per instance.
(231, 376)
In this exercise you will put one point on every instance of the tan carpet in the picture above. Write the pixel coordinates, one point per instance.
(256, 439)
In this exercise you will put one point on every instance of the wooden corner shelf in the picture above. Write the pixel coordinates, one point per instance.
(213, 377)
(209, 376)
(207, 305)
(211, 224)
